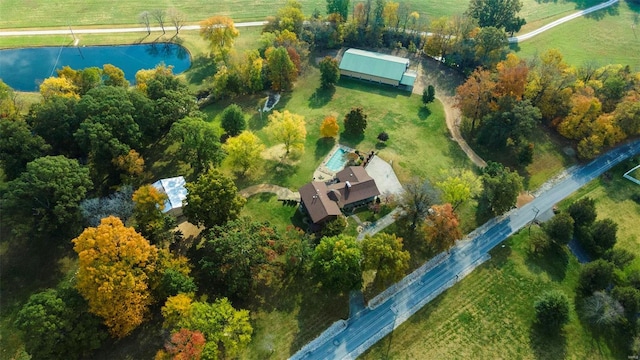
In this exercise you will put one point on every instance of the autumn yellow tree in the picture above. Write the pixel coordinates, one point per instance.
(243, 151)
(221, 34)
(58, 86)
(145, 75)
(175, 308)
(289, 129)
(131, 165)
(115, 264)
(329, 127)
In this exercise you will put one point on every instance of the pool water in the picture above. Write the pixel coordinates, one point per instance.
(337, 160)
(24, 69)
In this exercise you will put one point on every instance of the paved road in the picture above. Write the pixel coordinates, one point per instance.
(370, 325)
(563, 20)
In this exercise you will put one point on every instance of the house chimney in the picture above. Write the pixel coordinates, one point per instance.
(348, 184)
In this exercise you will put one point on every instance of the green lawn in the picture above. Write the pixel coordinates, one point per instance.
(606, 37)
(489, 314)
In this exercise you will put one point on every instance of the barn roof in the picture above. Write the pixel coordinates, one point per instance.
(376, 64)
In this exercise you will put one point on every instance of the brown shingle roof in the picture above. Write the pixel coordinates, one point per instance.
(353, 174)
(356, 192)
(315, 197)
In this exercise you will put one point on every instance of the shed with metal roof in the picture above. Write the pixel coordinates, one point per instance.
(377, 67)
(176, 193)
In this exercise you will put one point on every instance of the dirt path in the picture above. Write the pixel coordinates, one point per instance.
(282, 192)
(445, 80)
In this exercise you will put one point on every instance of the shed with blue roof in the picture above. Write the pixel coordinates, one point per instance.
(376, 67)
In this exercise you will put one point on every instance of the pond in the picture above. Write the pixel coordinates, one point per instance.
(24, 69)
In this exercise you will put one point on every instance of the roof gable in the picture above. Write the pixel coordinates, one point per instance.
(372, 63)
(315, 196)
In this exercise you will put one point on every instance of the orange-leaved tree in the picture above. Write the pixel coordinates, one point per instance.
(442, 227)
(329, 127)
(113, 275)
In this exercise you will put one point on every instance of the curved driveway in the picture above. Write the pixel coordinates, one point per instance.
(370, 325)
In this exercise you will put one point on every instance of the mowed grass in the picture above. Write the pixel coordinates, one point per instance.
(610, 36)
(489, 314)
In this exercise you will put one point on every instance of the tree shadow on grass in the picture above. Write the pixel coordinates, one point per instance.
(547, 344)
(281, 171)
(323, 146)
(424, 113)
(321, 97)
(351, 140)
(613, 10)
(553, 261)
(202, 67)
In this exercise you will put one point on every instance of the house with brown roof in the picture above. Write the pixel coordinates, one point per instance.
(326, 201)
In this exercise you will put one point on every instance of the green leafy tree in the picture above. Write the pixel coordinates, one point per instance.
(621, 258)
(148, 217)
(43, 202)
(336, 263)
(552, 310)
(497, 13)
(501, 187)
(233, 121)
(384, 254)
(340, 7)
(238, 256)
(244, 151)
(490, 46)
(560, 228)
(227, 331)
(416, 200)
(199, 143)
(212, 200)
(334, 227)
(459, 186)
(355, 122)
(329, 72)
(604, 236)
(174, 282)
(595, 276)
(583, 212)
(56, 325)
(18, 146)
(513, 125)
(428, 95)
(281, 71)
(55, 120)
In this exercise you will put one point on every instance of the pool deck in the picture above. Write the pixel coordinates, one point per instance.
(323, 173)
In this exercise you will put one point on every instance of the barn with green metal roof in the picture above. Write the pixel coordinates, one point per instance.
(376, 67)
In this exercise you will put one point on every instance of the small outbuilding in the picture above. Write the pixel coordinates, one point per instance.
(176, 193)
(377, 67)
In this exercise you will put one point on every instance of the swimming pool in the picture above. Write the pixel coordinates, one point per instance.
(338, 160)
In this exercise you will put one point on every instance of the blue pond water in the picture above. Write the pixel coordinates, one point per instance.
(24, 69)
(337, 160)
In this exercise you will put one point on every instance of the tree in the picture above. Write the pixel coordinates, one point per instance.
(43, 202)
(595, 276)
(227, 331)
(442, 227)
(355, 122)
(175, 309)
(416, 200)
(497, 13)
(289, 129)
(459, 186)
(55, 121)
(340, 7)
(115, 264)
(174, 282)
(57, 86)
(8, 106)
(604, 236)
(428, 95)
(221, 33)
(114, 76)
(145, 19)
(233, 121)
(583, 212)
(474, 97)
(512, 125)
(491, 46)
(148, 217)
(336, 263)
(184, 345)
(384, 254)
(238, 256)
(501, 187)
(281, 71)
(560, 228)
(549, 85)
(244, 151)
(512, 77)
(621, 258)
(199, 143)
(55, 325)
(18, 146)
(383, 136)
(539, 242)
(334, 227)
(552, 310)
(251, 71)
(602, 310)
(329, 127)
(177, 18)
(212, 200)
(329, 72)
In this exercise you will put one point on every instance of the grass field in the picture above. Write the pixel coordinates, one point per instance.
(489, 315)
(607, 37)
